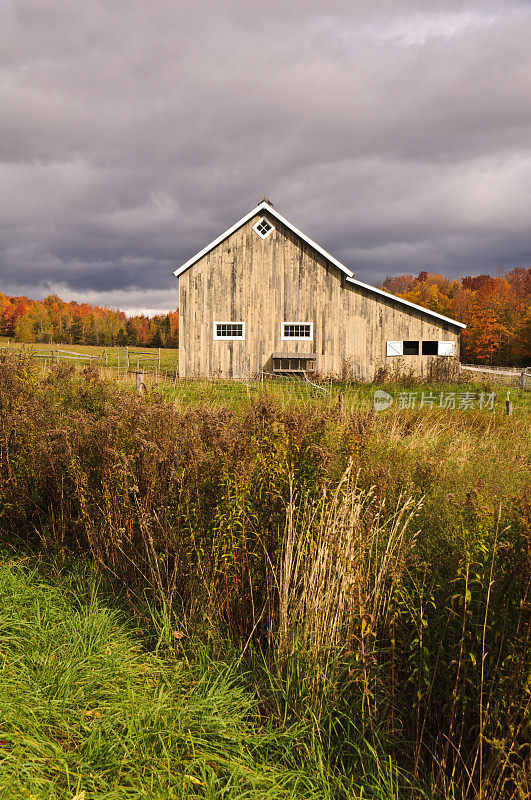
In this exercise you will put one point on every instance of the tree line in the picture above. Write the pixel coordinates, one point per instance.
(54, 320)
(495, 309)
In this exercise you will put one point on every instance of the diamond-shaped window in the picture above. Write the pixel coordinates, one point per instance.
(263, 228)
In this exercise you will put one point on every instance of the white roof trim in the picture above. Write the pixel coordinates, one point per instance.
(350, 275)
(405, 302)
(243, 220)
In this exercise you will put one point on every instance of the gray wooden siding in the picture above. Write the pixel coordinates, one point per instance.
(264, 282)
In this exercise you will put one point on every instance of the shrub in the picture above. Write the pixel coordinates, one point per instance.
(284, 529)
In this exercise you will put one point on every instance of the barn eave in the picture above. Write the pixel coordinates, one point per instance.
(330, 258)
(274, 213)
(401, 300)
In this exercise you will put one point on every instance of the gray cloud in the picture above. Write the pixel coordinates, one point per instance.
(396, 133)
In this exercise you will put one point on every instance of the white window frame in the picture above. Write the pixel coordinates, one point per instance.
(446, 347)
(227, 338)
(395, 348)
(285, 338)
(263, 235)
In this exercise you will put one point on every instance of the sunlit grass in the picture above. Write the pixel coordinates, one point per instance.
(289, 393)
(107, 356)
(87, 711)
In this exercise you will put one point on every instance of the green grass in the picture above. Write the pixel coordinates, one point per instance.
(88, 711)
(147, 356)
(290, 393)
(287, 392)
(217, 510)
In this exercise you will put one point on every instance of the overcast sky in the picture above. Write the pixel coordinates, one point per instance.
(396, 133)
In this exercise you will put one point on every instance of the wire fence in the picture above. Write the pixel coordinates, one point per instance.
(147, 369)
(505, 374)
(114, 363)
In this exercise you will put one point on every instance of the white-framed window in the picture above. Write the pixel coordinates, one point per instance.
(229, 330)
(446, 348)
(297, 331)
(395, 348)
(429, 348)
(263, 227)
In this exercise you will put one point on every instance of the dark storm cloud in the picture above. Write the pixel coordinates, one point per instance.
(397, 134)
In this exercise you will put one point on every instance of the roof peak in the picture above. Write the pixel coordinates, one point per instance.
(348, 272)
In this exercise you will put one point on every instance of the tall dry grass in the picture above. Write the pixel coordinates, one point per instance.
(341, 556)
(380, 563)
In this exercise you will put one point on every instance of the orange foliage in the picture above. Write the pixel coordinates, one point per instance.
(53, 320)
(496, 311)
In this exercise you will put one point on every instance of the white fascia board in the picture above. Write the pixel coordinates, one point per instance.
(243, 220)
(219, 239)
(318, 248)
(309, 241)
(406, 302)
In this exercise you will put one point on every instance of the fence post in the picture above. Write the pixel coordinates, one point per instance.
(140, 387)
(57, 353)
(340, 405)
(159, 357)
(127, 357)
(508, 406)
(106, 362)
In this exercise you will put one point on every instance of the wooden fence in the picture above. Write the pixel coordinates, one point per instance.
(132, 361)
(509, 375)
(128, 362)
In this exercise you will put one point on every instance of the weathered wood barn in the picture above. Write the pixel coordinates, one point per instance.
(264, 297)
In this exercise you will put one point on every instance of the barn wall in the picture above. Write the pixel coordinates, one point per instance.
(264, 282)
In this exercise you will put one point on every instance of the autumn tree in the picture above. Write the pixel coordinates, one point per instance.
(54, 320)
(495, 310)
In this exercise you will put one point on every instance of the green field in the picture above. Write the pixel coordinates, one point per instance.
(92, 708)
(147, 357)
(469, 397)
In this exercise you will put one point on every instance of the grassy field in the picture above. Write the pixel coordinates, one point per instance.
(147, 357)
(90, 708)
(407, 395)
(446, 398)
(360, 580)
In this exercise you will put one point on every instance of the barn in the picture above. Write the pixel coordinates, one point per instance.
(264, 298)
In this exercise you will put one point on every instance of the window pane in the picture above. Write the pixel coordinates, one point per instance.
(297, 330)
(263, 227)
(229, 330)
(429, 348)
(411, 348)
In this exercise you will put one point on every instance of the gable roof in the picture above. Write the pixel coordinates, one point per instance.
(406, 302)
(264, 206)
